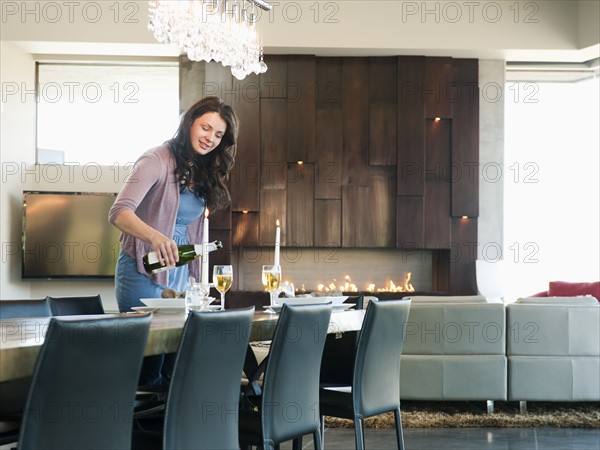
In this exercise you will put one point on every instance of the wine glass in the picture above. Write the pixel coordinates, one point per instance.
(222, 279)
(271, 277)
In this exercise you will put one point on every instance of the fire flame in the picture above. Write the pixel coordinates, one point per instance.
(348, 286)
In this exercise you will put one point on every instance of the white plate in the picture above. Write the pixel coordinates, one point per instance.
(342, 307)
(335, 301)
(164, 302)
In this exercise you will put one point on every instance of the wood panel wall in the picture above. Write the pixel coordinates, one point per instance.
(355, 152)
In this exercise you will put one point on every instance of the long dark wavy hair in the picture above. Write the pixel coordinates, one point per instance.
(206, 175)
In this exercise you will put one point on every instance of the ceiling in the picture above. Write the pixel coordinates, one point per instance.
(550, 31)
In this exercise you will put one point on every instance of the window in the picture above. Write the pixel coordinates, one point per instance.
(551, 203)
(104, 114)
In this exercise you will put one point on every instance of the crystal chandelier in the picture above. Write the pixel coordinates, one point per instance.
(212, 30)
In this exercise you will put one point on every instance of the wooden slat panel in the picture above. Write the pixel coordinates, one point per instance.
(301, 108)
(328, 223)
(272, 208)
(410, 232)
(329, 83)
(369, 212)
(463, 254)
(244, 177)
(355, 98)
(411, 126)
(437, 197)
(219, 82)
(220, 220)
(245, 229)
(274, 82)
(300, 205)
(383, 76)
(438, 87)
(383, 115)
(328, 142)
(465, 152)
(222, 256)
(273, 143)
(465, 70)
(383, 138)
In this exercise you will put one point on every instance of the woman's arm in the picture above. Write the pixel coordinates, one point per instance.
(149, 170)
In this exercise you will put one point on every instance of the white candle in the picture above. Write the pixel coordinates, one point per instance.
(277, 239)
(204, 278)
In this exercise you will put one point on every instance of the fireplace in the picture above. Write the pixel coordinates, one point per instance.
(341, 270)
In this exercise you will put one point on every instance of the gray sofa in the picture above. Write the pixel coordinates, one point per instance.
(454, 349)
(553, 349)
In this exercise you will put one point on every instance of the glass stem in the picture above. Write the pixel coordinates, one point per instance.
(222, 301)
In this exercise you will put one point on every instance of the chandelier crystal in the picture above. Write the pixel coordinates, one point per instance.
(212, 30)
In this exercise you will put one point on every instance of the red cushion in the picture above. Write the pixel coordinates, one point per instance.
(540, 294)
(567, 289)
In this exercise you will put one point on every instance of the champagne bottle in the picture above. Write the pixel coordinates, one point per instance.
(187, 253)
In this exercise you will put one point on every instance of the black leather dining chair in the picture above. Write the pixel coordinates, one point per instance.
(10, 309)
(289, 405)
(203, 397)
(375, 387)
(84, 384)
(13, 393)
(72, 306)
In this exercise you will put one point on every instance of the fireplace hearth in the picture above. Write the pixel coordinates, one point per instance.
(369, 271)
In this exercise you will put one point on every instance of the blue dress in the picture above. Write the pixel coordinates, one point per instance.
(130, 285)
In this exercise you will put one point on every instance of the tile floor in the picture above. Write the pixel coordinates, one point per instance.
(465, 439)
(461, 439)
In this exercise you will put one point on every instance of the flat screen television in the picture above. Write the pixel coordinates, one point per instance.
(67, 235)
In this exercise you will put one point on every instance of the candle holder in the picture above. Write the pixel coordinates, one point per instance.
(196, 297)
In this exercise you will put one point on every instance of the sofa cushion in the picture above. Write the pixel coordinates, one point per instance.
(448, 299)
(581, 300)
(568, 289)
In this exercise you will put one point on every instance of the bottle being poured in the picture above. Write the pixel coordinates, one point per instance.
(187, 253)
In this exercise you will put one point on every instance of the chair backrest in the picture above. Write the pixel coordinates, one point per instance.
(84, 384)
(203, 399)
(10, 309)
(73, 306)
(290, 400)
(376, 378)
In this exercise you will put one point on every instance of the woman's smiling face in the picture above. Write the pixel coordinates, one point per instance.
(206, 132)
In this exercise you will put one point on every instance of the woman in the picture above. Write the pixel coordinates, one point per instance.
(161, 205)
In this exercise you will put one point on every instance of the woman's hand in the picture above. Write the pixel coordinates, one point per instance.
(165, 248)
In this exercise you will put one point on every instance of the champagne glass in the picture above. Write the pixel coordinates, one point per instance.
(271, 277)
(222, 279)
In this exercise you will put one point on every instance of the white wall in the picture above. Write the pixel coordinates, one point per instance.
(491, 159)
(19, 173)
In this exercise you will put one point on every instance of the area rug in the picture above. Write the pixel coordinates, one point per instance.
(474, 415)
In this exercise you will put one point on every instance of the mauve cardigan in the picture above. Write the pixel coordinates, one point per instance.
(152, 192)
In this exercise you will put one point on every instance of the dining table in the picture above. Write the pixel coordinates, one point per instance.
(22, 338)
